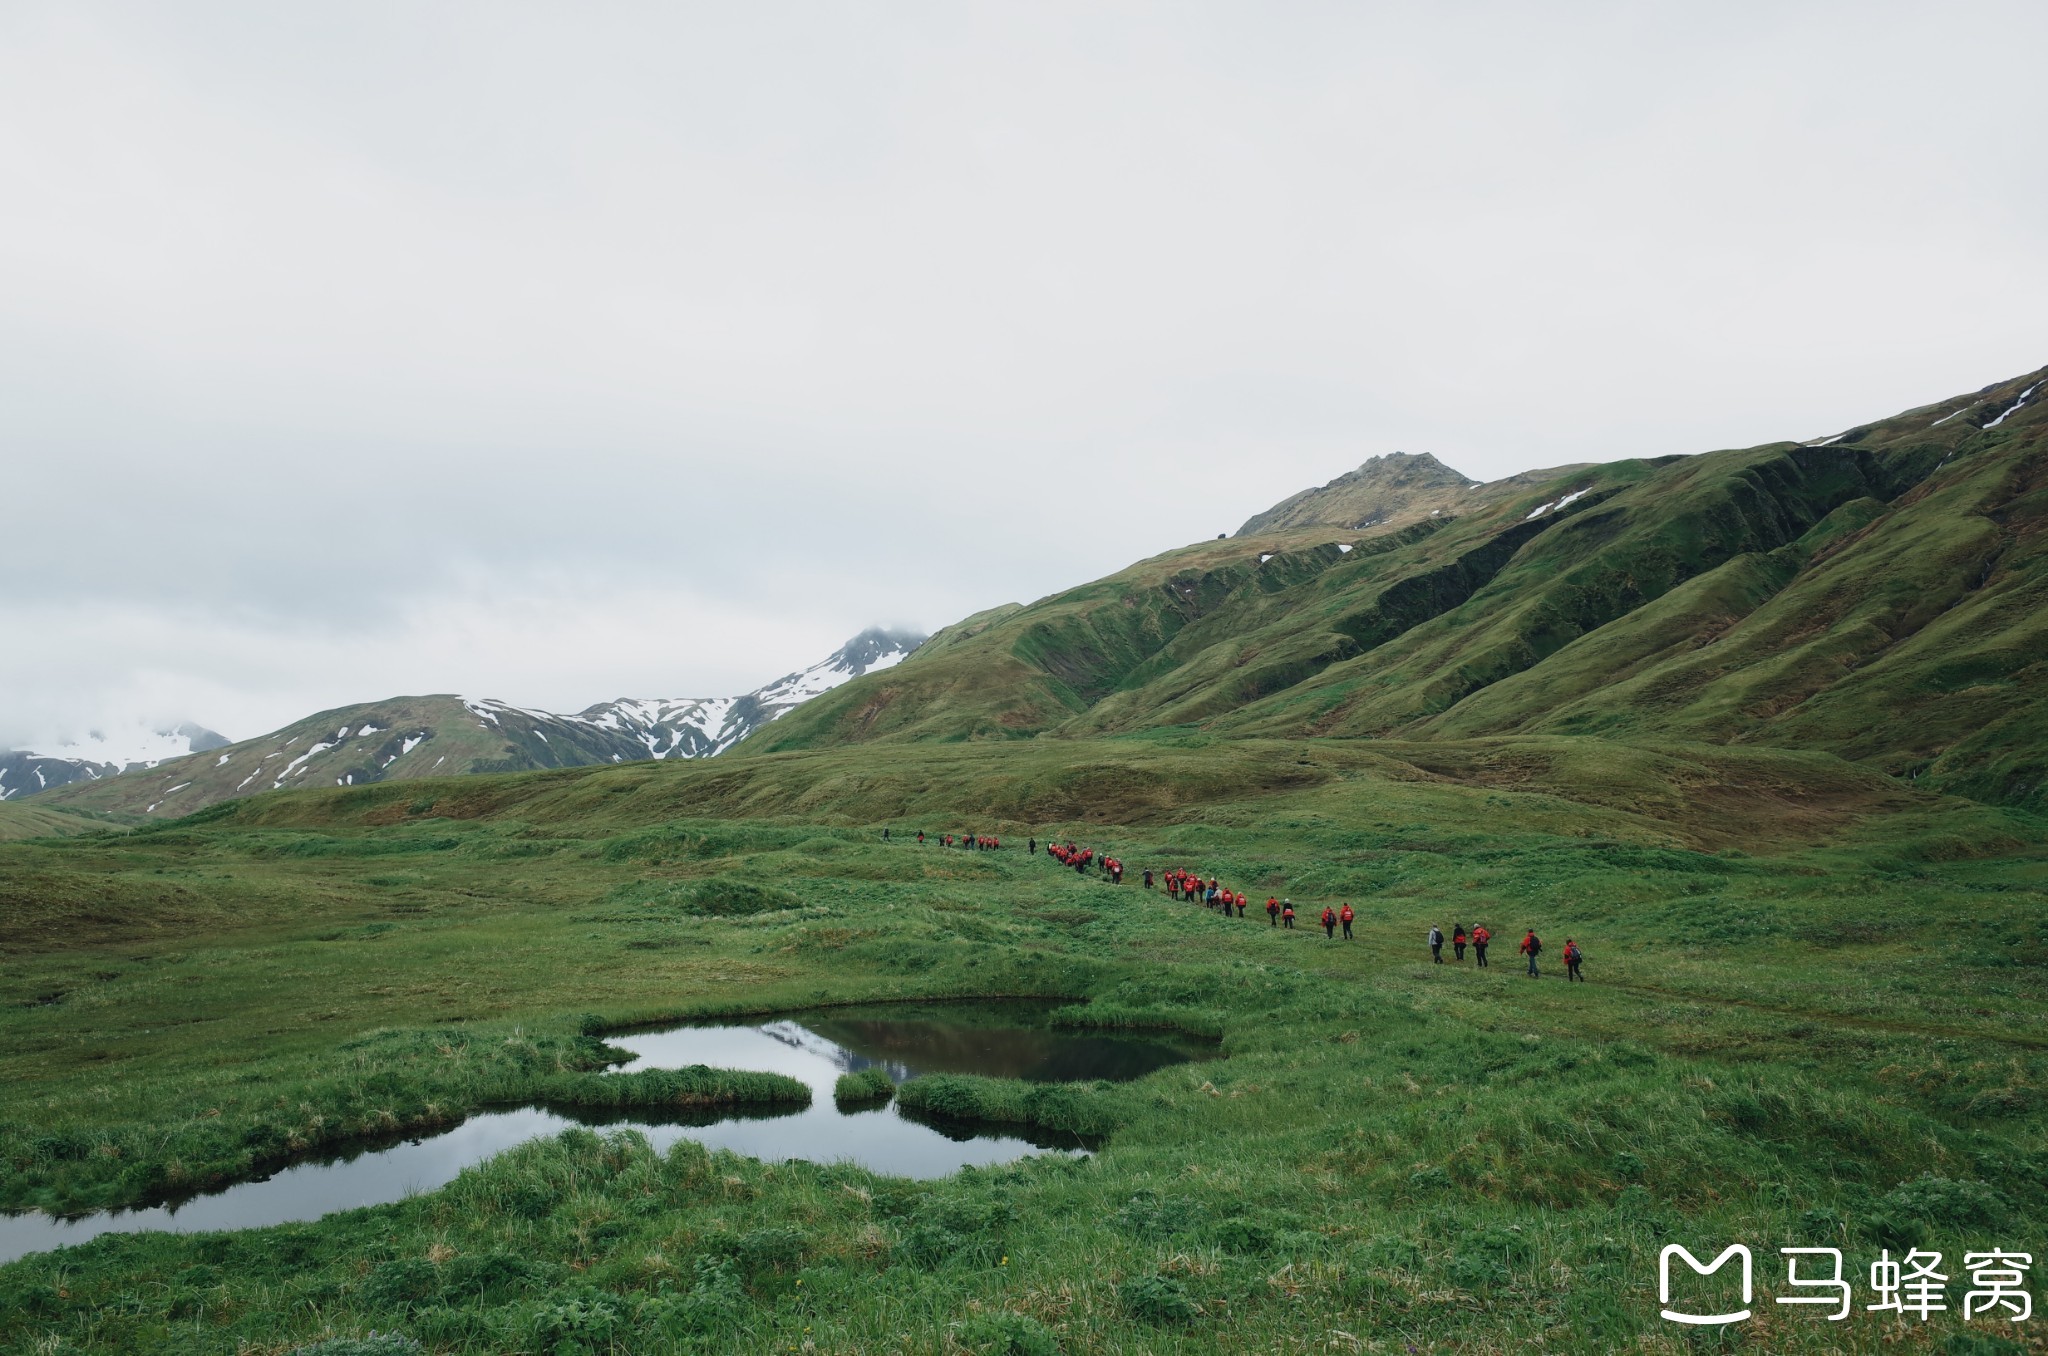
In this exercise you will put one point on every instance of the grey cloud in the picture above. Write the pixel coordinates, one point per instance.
(805, 316)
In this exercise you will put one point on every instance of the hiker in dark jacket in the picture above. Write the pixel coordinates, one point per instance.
(1532, 947)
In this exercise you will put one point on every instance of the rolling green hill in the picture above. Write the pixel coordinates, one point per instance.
(1877, 596)
(48, 821)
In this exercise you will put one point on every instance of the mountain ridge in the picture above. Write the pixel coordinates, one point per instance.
(1797, 594)
(446, 734)
(1393, 490)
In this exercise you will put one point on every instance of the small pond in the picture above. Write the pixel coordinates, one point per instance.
(1000, 1040)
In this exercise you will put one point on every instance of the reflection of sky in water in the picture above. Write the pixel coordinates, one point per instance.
(815, 1050)
(305, 1191)
(881, 1139)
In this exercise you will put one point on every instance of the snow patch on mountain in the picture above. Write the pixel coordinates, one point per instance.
(871, 651)
(98, 754)
(702, 727)
(1542, 509)
(2014, 408)
(378, 741)
(132, 747)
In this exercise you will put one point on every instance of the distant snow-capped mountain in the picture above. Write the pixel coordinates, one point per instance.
(444, 736)
(24, 772)
(699, 727)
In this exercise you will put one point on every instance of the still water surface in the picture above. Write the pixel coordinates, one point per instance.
(1000, 1040)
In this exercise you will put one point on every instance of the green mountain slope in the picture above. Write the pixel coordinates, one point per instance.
(43, 820)
(1878, 596)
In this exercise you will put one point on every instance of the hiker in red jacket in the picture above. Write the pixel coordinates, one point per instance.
(1480, 937)
(1345, 916)
(1458, 941)
(1287, 914)
(1329, 922)
(1240, 903)
(1532, 947)
(1273, 912)
(1572, 957)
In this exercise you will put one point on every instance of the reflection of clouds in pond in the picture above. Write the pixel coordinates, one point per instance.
(304, 1191)
(998, 1040)
(881, 1139)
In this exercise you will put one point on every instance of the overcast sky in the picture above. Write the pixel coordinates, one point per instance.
(564, 352)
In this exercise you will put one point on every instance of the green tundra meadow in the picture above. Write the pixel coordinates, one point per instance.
(1814, 1018)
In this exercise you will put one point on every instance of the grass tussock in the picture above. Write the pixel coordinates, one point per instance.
(869, 1087)
(1060, 1108)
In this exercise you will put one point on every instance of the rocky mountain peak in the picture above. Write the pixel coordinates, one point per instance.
(1387, 491)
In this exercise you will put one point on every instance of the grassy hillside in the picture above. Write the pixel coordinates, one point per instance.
(1879, 597)
(1828, 1035)
(38, 820)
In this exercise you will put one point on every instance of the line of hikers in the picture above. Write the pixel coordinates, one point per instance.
(1190, 886)
(980, 842)
(1479, 937)
(1080, 858)
(1279, 912)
